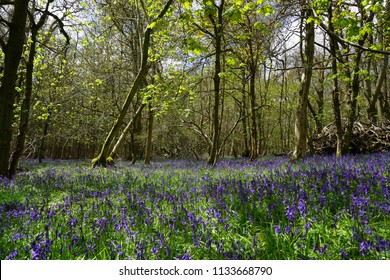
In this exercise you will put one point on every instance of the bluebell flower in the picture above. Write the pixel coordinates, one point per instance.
(302, 207)
(290, 213)
(343, 254)
(167, 251)
(154, 250)
(365, 247)
(186, 256)
(12, 255)
(17, 236)
(208, 243)
(307, 227)
(322, 250)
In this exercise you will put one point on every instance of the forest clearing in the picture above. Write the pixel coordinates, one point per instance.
(323, 207)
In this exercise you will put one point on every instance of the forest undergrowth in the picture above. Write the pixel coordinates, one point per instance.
(321, 207)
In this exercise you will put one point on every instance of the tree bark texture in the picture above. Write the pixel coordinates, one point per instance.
(218, 29)
(252, 95)
(301, 114)
(148, 149)
(13, 53)
(25, 108)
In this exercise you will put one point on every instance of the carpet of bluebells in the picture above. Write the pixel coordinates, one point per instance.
(322, 207)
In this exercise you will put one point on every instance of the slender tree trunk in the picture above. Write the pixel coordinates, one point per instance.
(384, 101)
(42, 144)
(13, 53)
(148, 149)
(126, 130)
(246, 151)
(336, 87)
(281, 101)
(212, 160)
(352, 103)
(301, 114)
(372, 111)
(103, 158)
(252, 95)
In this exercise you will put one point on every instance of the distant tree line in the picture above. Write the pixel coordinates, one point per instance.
(140, 79)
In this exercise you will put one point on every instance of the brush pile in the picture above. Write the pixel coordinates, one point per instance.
(366, 138)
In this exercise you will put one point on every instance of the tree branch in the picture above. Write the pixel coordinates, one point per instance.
(60, 24)
(346, 42)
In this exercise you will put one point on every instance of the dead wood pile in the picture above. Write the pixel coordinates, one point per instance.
(366, 138)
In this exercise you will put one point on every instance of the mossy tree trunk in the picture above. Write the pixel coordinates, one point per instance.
(104, 158)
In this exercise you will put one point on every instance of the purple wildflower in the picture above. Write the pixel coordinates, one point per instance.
(307, 227)
(278, 230)
(12, 255)
(208, 243)
(72, 221)
(186, 256)
(167, 251)
(154, 250)
(344, 254)
(365, 247)
(302, 207)
(290, 213)
(322, 250)
(17, 236)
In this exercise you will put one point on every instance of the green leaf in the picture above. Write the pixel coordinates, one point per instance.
(258, 25)
(152, 25)
(250, 6)
(266, 10)
(234, 14)
(187, 5)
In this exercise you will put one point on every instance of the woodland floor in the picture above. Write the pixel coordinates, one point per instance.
(322, 207)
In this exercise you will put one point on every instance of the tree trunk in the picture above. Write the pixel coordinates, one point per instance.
(301, 114)
(103, 158)
(25, 108)
(246, 151)
(148, 149)
(13, 53)
(42, 144)
(372, 111)
(126, 130)
(352, 103)
(336, 87)
(212, 160)
(252, 95)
